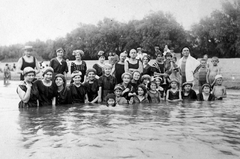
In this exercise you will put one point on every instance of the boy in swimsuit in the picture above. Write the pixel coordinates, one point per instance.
(214, 70)
(219, 91)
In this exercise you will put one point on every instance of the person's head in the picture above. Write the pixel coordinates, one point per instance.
(174, 83)
(28, 51)
(205, 56)
(111, 100)
(107, 69)
(153, 85)
(158, 80)
(185, 51)
(78, 54)
(136, 75)
(215, 61)
(168, 56)
(126, 77)
(101, 56)
(206, 88)
(141, 90)
(203, 63)
(160, 58)
(110, 54)
(91, 74)
(146, 59)
(139, 49)
(145, 79)
(47, 73)
(219, 80)
(60, 52)
(118, 89)
(187, 86)
(133, 53)
(156, 48)
(29, 74)
(76, 77)
(123, 56)
(60, 80)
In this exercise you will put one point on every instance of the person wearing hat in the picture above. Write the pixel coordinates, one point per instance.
(26, 91)
(77, 89)
(187, 92)
(118, 89)
(91, 86)
(205, 95)
(58, 64)
(28, 60)
(79, 64)
(45, 87)
(174, 94)
(63, 95)
(99, 66)
(132, 64)
(118, 68)
(219, 91)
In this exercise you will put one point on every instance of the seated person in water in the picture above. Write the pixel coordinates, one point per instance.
(153, 95)
(46, 88)
(77, 89)
(63, 95)
(111, 100)
(145, 79)
(141, 95)
(160, 89)
(26, 91)
(127, 87)
(187, 92)
(118, 89)
(205, 95)
(219, 91)
(106, 83)
(174, 94)
(135, 80)
(91, 86)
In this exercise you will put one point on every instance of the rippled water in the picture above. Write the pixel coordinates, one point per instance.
(180, 131)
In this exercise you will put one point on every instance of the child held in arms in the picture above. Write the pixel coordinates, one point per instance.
(219, 91)
(205, 95)
(106, 83)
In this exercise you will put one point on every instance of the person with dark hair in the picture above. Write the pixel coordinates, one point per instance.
(141, 95)
(58, 64)
(91, 86)
(157, 51)
(111, 100)
(174, 93)
(153, 95)
(63, 95)
(188, 66)
(112, 58)
(77, 89)
(79, 64)
(187, 92)
(26, 91)
(118, 68)
(118, 89)
(45, 88)
(205, 94)
(28, 60)
(147, 69)
(132, 64)
(99, 66)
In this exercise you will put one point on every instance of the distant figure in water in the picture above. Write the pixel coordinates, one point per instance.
(7, 74)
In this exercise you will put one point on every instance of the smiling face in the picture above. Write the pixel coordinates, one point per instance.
(29, 77)
(153, 86)
(145, 60)
(48, 76)
(126, 79)
(91, 76)
(60, 53)
(122, 57)
(136, 76)
(108, 70)
(59, 81)
(140, 91)
(77, 79)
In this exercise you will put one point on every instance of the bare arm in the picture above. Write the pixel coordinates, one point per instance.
(167, 95)
(140, 68)
(37, 66)
(224, 92)
(126, 67)
(24, 96)
(100, 95)
(54, 101)
(19, 65)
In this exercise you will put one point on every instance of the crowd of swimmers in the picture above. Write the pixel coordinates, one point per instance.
(124, 79)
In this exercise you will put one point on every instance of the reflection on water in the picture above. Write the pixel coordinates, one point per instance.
(168, 130)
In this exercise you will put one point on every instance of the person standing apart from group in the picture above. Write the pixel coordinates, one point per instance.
(58, 64)
(79, 64)
(188, 66)
(28, 60)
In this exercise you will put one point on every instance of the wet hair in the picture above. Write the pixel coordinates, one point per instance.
(143, 88)
(111, 96)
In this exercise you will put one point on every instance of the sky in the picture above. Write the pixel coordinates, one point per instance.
(27, 20)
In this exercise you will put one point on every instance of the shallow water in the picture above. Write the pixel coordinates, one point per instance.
(182, 131)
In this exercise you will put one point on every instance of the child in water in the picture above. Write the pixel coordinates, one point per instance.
(174, 94)
(91, 86)
(219, 91)
(118, 89)
(158, 81)
(205, 95)
(111, 102)
(188, 93)
(202, 74)
(145, 80)
(153, 95)
(135, 80)
(141, 95)
(214, 70)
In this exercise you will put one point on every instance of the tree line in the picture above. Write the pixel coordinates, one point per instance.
(216, 35)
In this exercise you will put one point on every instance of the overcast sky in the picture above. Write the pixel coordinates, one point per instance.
(28, 20)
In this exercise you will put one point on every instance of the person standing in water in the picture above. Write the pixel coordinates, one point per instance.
(28, 60)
